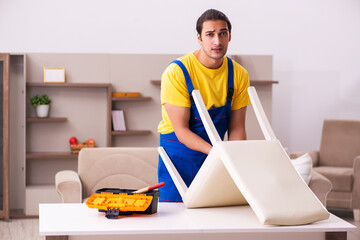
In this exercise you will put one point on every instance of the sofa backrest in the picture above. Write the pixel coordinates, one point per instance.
(117, 167)
(340, 143)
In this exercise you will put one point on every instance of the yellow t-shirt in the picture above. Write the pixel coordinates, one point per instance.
(212, 83)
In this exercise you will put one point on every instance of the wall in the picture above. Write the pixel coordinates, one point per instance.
(315, 45)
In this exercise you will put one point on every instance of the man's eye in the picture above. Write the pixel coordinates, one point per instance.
(210, 35)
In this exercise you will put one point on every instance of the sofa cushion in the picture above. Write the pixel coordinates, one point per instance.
(339, 199)
(340, 177)
(303, 166)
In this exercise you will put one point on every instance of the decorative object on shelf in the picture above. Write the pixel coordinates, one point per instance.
(118, 120)
(126, 94)
(54, 75)
(76, 147)
(42, 104)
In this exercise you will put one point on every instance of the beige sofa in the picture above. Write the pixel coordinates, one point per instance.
(132, 168)
(339, 160)
(114, 167)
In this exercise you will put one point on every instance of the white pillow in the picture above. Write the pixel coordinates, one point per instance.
(303, 166)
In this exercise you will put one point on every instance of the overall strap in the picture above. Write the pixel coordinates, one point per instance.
(189, 84)
(230, 92)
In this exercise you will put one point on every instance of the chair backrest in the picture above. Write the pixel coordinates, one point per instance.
(340, 143)
(117, 167)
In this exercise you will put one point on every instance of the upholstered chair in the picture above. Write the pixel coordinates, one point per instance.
(339, 160)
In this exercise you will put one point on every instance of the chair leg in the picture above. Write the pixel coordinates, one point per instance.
(356, 215)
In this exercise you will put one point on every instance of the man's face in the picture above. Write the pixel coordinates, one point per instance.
(214, 39)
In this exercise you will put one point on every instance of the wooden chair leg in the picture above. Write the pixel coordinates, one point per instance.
(356, 215)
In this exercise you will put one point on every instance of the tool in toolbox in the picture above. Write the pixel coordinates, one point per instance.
(146, 189)
(115, 201)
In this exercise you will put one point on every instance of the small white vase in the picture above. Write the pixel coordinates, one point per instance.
(42, 111)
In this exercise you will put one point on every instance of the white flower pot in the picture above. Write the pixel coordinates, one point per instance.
(42, 111)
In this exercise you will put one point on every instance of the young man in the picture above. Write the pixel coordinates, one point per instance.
(223, 86)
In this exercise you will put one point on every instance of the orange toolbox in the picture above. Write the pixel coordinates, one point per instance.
(115, 202)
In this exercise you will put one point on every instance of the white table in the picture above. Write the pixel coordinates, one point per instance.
(58, 221)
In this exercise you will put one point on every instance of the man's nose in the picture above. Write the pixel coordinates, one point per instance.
(216, 39)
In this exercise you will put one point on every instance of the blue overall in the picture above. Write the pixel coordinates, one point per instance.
(186, 160)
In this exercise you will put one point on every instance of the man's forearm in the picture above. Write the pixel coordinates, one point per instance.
(193, 141)
(239, 134)
(237, 130)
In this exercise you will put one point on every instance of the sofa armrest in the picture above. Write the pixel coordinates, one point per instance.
(356, 185)
(68, 186)
(320, 185)
(313, 154)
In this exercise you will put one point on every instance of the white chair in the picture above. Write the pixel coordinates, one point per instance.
(258, 172)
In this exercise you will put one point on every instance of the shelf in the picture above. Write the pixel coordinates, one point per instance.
(263, 82)
(252, 82)
(90, 85)
(51, 155)
(155, 82)
(130, 99)
(48, 119)
(131, 132)
(40, 186)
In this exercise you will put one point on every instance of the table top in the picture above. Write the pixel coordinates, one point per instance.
(78, 219)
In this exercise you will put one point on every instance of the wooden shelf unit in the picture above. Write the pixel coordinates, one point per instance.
(56, 159)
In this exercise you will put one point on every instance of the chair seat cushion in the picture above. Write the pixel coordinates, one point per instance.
(340, 177)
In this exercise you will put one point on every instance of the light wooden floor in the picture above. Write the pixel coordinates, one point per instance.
(19, 229)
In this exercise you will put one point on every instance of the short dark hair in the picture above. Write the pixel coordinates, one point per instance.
(211, 14)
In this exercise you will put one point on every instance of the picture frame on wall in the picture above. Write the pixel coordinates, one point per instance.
(54, 75)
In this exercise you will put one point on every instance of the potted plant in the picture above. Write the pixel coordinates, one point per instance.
(42, 104)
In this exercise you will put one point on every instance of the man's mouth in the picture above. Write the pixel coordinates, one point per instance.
(217, 49)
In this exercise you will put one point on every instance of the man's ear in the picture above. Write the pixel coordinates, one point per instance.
(199, 39)
(229, 37)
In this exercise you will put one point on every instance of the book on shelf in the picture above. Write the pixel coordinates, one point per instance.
(118, 120)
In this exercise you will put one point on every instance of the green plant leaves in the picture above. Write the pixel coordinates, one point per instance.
(40, 100)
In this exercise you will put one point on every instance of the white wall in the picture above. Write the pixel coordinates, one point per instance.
(315, 44)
